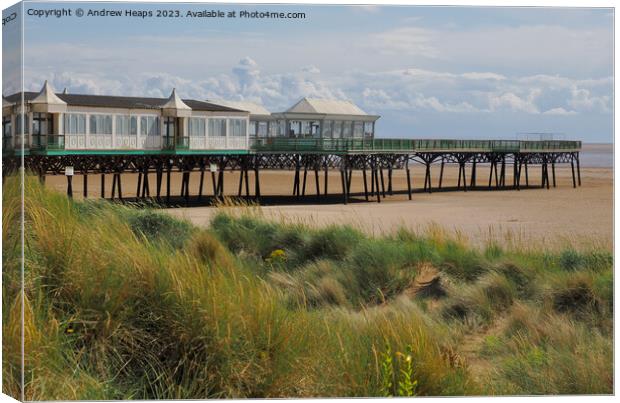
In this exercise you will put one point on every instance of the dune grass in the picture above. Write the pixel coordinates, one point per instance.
(129, 303)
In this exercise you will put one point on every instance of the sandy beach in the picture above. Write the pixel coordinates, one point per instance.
(550, 217)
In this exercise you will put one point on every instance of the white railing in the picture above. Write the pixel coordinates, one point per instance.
(134, 142)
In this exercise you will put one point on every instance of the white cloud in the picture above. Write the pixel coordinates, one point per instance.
(559, 111)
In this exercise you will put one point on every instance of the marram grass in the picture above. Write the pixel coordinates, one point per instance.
(127, 303)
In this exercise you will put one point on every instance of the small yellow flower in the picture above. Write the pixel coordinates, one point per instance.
(69, 330)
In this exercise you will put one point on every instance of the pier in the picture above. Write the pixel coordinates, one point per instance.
(481, 164)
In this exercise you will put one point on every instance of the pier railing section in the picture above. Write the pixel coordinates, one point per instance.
(327, 145)
(278, 144)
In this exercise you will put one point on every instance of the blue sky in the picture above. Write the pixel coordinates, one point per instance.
(456, 72)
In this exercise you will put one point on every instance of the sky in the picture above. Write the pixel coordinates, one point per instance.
(429, 72)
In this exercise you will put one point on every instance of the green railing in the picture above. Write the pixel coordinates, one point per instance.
(47, 142)
(276, 144)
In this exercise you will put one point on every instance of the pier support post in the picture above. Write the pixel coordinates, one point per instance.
(527, 178)
(85, 178)
(390, 168)
(344, 184)
(168, 173)
(365, 181)
(427, 178)
(202, 180)
(102, 185)
(139, 183)
(317, 182)
(408, 177)
(441, 174)
(256, 180)
(70, 186)
(146, 191)
(572, 167)
(553, 172)
(303, 187)
(578, 169)
(472, 183)
(326, 176)
(382, 181)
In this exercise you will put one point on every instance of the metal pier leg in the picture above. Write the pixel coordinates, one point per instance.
(464, 179)
(85, 185)
(120, 192)
(344, 185)
(139, 184)
(408, 179)
(317, 182)
(188, 174)
(390, 191)
(103, 185)
(70, 186)
(146, 192)
(256, 182)
(160, 177)
(472, 183)
(349, 177)
(518, 180)
(578, 169)
(296, 184)
(303, 187)
(202, 180)
(113, 186)
(247, 183)
(382, 182)
(441, 175)
(214, 182)
(428, 177)
(502, 180)
(326, 175)
(553, 172)
(220, 183)
(491, 174)
(240, 182)
(365, 182)
(376, 183)
(572, 167)
(182, 192)
(168, 183)
(527, 178)
(458, 185)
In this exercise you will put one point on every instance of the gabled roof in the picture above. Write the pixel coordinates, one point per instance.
(252, 107)
(108, 101)
(326, 106)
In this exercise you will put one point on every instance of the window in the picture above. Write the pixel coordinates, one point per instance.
(346, 129)
(358, 129)
(169, 127)
(253, 128)
(101, 124)
(327, 129)
(263, 129)
(196, 127)
(369, 129)
(7, 126)
(149, 125)
(337, 133)
(126, 125)
(217, 127)
(75, 123)
(294, 129)
(238, 127)
(41, 123)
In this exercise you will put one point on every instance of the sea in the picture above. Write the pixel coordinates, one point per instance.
(597, 155)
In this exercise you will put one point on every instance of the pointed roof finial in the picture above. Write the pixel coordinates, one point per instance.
(175, 106)
(65, 91)
(48, 101)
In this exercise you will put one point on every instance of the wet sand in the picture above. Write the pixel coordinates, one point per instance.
(534, 216)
